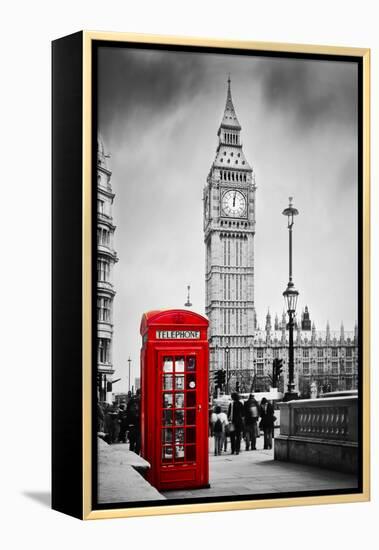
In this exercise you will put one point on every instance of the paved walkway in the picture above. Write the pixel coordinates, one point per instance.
(119, 477)
(256, 472)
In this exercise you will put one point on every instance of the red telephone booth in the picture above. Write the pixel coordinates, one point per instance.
(174, 403)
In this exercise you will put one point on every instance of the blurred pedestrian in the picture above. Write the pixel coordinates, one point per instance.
(235, 418)
(266, 412)
(114, 423)
(251, 414)
(219, 423)
(134, 423)
(100, 418)
(123, 416)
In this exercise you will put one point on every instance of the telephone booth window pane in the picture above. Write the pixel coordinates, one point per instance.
(191, 399)
(179, 453)
(179, 400)
(167, 418)
(191, 363)
(179, 417)
(167, 364)
(167, 382)
(179, 364)
(179, 382)
(190, 417)
(191, 382)
(167, 454)
(179, 435)
(167, 436)
(191, 452)
(190, 435)
(167, 400)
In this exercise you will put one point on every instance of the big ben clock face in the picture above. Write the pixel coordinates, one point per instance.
(233, 203)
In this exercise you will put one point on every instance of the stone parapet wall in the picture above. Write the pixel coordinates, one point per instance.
(320, 432)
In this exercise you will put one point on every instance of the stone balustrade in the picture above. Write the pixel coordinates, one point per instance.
(320, 432)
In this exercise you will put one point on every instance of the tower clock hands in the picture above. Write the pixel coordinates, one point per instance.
(234, 199)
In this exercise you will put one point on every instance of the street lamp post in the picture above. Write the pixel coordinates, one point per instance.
(129, 361)
(227, 351)
(290, 296)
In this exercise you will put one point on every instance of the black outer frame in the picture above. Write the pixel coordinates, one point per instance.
(67, 164)
(67, 254)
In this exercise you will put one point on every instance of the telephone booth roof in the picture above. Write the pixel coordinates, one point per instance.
(171, 317)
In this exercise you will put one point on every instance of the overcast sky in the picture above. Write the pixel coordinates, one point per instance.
(159, 113)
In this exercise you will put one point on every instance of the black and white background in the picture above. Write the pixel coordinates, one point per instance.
(28, 29)
(158, 116)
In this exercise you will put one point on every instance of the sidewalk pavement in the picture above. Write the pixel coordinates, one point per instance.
(249, 473)
(119, 477)
(256, 472)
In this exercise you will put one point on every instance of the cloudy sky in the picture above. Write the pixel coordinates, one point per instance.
(158, 115)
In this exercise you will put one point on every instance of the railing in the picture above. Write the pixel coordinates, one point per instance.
(322, 422)
(319, 431)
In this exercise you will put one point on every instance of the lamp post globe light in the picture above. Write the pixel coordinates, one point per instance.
(290, 297)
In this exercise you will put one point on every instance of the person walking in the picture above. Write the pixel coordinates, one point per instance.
(219, 423)
(134, 419)
(266, 412)
(111, 423)
(123, 423)
(235, 418)
(251, 414)
(100, 418)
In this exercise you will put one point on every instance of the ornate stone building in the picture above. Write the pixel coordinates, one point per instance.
(236, 343)
(106, 258)
(229, 229)
(328, 358)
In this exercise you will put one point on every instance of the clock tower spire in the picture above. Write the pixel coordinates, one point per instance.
(229, 229)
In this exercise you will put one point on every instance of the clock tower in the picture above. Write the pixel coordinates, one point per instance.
(229, 229)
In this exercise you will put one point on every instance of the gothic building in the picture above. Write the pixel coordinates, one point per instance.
(236, 342)
(106, 258)
(328, 358)
(229, 229)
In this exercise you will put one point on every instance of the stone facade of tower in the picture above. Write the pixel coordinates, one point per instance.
(229, 229)
(106, 258)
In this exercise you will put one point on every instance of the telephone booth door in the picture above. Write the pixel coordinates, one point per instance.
(181, 417)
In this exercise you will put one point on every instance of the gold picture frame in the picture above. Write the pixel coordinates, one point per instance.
(85, 509)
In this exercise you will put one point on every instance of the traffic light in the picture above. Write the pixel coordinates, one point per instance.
(277, 368)
(223, 377)
(219, 378)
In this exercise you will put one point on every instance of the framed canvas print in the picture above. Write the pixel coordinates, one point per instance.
(210, 275)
